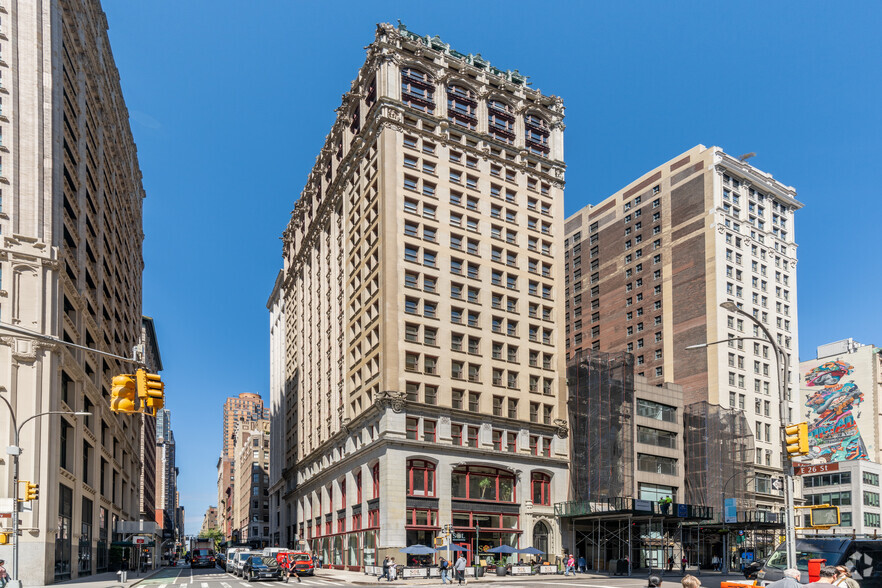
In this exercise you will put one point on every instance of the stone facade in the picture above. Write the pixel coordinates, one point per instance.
(251, 483)
(71, 263)
(422, 300)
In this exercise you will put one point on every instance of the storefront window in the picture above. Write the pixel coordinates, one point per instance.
(338, 550)
(353, 550)
(370, 548)
(102, 540)
(85, 548)
(63, 535)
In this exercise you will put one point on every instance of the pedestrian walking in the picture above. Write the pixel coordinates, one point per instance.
(393, 570)
(582, 564)
(683, 564)
(670, 563)
(385, 573)
(790, 580)
(443, 565)
(844, 578)
(570, 565)
(4, 575)
(460, 567)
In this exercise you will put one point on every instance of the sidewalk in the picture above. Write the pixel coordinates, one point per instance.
(362, 579)
(107, 579)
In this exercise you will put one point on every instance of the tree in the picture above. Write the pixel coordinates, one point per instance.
(215, 535)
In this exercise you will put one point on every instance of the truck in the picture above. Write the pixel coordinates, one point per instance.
(202, 552)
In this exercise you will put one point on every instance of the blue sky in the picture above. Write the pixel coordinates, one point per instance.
(230, 103)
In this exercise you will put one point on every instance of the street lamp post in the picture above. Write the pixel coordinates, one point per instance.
(15, 451)
(781, 361)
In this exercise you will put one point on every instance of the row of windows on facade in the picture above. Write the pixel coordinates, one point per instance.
(464, 316)
(415, 333)
(737, 324)
(837, 478)
(429, 211)
(429, 165)
(418, 92)
(468, 143)
(458, 242)
(428, 365)
(842, 498)
(477, 483)
(426, 393)
(423, 429)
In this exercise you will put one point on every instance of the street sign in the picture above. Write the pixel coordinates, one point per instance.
(817, 469)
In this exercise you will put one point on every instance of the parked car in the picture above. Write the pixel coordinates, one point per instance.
(220, 559)
(202, 558)
(231, 557)
(261, 567)
(239, 561)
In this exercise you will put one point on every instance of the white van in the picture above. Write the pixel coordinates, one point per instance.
(231, 553)
(239, 560)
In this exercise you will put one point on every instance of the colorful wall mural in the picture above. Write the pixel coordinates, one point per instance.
(833, 429)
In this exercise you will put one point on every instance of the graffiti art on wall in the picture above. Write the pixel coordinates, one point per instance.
(834, 434)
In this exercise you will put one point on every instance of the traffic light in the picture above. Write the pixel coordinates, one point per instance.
(796, 439)
(122, 394)
(823, 516)
(32, 491)
(150, 391)
(4, 538)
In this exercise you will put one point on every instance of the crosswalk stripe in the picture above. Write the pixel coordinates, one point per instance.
(225, 585)
(184, 585)
(204, 584)
(245, 584)
(163, 585)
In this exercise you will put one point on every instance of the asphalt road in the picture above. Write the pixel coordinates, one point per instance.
(184, 577)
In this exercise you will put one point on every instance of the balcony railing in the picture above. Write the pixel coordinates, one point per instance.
(574, 508)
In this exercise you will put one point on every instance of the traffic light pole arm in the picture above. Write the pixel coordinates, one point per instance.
(58, 341)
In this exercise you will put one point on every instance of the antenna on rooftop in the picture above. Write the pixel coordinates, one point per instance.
(747, 156)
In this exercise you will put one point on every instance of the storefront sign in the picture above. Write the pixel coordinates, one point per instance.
(644, 505)
(415, 573)
(683, 510)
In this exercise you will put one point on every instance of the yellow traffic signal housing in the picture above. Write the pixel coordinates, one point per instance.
(32, 491)
(150, 391)
(796, 439)
(4, 538)
(824, 516)
(122, 393)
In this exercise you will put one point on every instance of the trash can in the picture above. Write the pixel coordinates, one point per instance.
(123, 576)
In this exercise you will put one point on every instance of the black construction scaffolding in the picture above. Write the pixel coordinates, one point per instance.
(601, 404)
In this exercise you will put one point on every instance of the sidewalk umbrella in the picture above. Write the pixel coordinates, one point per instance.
(452, 548)
(418, 550)
(503, 549)
(530, 551)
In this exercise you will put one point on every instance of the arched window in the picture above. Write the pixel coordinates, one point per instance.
(420, 478)
(536, 134)
(540, 536)
(462, 107)
(500, 120)
(418, 90)
(541, 489)
(483, 483)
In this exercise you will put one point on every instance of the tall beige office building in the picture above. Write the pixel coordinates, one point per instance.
(422, 294)
(647, 269)
(250, 486)
(245, 409)
(70, 265)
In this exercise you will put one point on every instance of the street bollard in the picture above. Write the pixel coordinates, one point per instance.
(123, 576)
